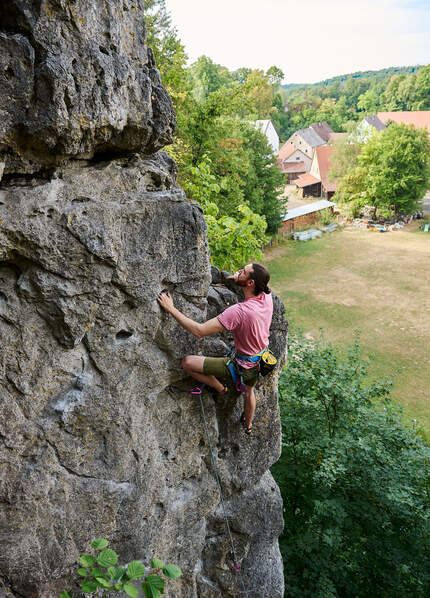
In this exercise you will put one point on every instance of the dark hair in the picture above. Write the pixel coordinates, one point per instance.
(261, 278)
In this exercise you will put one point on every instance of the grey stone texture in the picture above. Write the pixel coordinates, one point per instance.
(93, 440)
(76, 80)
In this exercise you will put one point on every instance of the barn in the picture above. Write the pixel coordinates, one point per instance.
(307, 215)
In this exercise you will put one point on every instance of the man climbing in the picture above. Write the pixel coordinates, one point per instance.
(249, 322)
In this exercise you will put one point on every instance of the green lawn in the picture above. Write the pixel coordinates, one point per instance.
(374, 283)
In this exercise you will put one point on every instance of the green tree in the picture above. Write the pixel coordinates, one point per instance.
(422, 89)
(169, 52)
(236, 241)
(391, 98)
(368, 102)
(355, 482)
(275, 76)
(393, 171)
(263, 180)
(208, 77)
(259, 91)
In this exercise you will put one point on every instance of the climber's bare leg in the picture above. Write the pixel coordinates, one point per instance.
(193, 365)
(249, 405)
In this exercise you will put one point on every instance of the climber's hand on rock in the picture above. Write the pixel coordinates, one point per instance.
(166, 301)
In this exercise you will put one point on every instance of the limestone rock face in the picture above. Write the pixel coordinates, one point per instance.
(94, 442)
(77, 79)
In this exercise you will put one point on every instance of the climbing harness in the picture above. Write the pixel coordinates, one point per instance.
(234, 367)
(265, 359)
(198, 390)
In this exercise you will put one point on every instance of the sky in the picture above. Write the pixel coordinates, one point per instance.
(310, 40)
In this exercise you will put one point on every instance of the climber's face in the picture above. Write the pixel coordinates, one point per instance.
(244, 279)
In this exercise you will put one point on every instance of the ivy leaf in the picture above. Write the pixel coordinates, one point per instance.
(87, 560)
(96, 572)
(172, 571)
(107, 558)
(103, 582)
(65, 594)
(118, 572)
(153, 586)
(130, 590)
(156, 563)
(88, 587)
(82, 571)
(135, 569)
(99, 543)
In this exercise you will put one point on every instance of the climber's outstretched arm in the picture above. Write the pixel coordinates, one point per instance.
(199, 330)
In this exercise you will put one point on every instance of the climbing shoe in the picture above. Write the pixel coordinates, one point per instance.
(245, 428)
(218, 393)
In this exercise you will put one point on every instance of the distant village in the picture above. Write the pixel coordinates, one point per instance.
(305, 158)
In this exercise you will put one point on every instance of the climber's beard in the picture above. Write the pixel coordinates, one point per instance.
(242, 282)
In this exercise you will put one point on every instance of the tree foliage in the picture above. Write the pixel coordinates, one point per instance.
(234, 241)
(355, 483)
(223, 162)
(392, 173)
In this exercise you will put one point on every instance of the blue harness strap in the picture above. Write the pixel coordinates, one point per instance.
(234, 369)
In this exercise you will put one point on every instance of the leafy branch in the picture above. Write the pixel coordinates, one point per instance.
(100, 571)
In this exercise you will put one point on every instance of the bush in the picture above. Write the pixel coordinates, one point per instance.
(100, 572)
(354, 480)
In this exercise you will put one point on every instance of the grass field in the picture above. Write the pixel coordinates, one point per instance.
(376, 283)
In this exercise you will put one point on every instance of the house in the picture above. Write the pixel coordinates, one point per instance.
(419, 118)
(306, 140)
(320, 167)
(316, 183)
(308, 185)
(297, 218)
(367, 126)
(322, 129)
(292, 170)
(266, 127)
(290, 154)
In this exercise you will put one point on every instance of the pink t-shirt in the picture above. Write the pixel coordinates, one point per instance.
(250, 323)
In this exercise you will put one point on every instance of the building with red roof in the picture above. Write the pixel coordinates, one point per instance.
(316, 183)
(419, 118)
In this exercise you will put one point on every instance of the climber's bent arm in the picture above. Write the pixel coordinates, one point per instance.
(198, 330)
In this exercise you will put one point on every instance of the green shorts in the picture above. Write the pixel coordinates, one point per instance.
(217, 366)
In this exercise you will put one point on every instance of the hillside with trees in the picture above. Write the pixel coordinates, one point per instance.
(379, 74)
(346, 99)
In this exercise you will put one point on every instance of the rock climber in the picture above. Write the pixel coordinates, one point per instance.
(249, 322)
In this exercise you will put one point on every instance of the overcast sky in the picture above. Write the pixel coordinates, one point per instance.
(309, 40)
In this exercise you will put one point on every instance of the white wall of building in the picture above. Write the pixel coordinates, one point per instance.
(266, 127)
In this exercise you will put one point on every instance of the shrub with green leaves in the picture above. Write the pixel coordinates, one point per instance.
(101, 573)
(236, 241)
(355, 482)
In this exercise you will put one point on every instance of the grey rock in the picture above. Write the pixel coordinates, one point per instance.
(95, 444)
(94, 440)
(77, 80)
